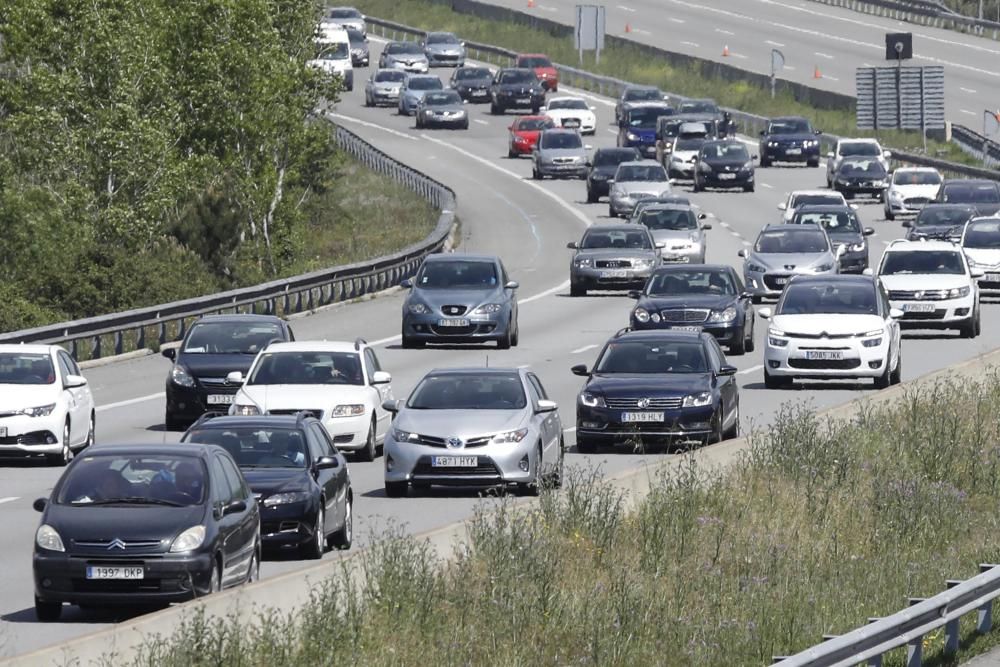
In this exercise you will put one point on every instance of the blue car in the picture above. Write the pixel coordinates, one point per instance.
(637, 127)
(789, 139)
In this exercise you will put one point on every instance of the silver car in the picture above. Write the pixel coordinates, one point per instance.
(349, 17)
(407, 56)
(442, 107)
(560, 153)
(612, 257)
(414, 87)
(383, 86)
(444, 49)
(642, 177)
(679, 228)
(481, 427)
(783, 251)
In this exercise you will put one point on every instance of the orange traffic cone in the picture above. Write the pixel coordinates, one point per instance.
(531, 4)
(628, 28)
(725, 51)
(816, 74)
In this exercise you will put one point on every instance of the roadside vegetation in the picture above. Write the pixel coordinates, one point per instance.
(815, 527)
(152, 150)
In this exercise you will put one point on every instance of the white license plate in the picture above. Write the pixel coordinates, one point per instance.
(628, 417)
(727, 177)
(454, 461)
(918, 307)
(221, 399)
(781, 281)
(3, 431)
(101, 572)
(615, 273)
(524, 100)
(793, 151)
(479, 93)
(686, 328)
(992, 277)
(824, 354)
(676, 258)
(453, 323)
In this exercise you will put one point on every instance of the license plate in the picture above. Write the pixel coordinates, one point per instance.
(992, 277)
(676, 258)
(453, 323)
(221, 399)
(100, 572)
(628, 417)
(686, 328)
(616, 273)
(793, 151)
(524, 100)
(824, 354)
(479, 93)
(781, 281)
(727, 177)
(571, 123)
(918, 307)
(454, 461)
(3, 431)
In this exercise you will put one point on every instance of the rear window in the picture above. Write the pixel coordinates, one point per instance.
(971, 194)
(534, 61)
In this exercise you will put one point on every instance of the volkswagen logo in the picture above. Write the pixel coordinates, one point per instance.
(918, 295)
(643, 403)
(116, 544)
(454, 443)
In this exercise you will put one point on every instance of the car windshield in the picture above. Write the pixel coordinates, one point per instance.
(785, 242)
(789, 127)
(688, 144)
(335, 51)
(134, 480)
(615, 238)
(404, 47)
(517, 76)
(472, 73)
(534, 61)
(424, 83)
(253, 447)
(390, 75)
(458, 274)
(940, 216)
(642, 94)
(607, 158)
(652, 357)
(835, 299)
(814, 199)
(922, 261)
(698, 106)
(863, 168)
(442, 38)
(635, 172)
(668, 219)
(567, 104)
(646, 202)
(980, 193)
(863, 148)
(691, 281)
(356, 37)
(307, 368)
(905, 177)
(488, 391)
(24, 368)
(345, 13)
(727, 151)
(535, 124)
(646, 117)
(983, 234)
(561, 140)
(837, 222)
(231, 337)
(442, 99)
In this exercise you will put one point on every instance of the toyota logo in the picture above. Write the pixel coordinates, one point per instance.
(454, 443)
(116, 544)
(643, 403)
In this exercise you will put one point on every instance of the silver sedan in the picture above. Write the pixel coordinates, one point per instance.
(474, 427)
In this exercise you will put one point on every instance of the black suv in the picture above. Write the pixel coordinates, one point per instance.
(296, 473)
(667, 386)
(516, 88)
(603, 165)
(215, 346)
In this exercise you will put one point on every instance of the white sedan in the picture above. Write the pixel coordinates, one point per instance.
(910, 189)
(572, 112)
(46, 407)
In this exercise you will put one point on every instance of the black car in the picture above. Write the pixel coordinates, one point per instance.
(516, 88)
(144, 524)
(297, 475)
(214, 347)
(664, 386)
(844, 228)
(359, 47)
(603, 165)
(700, 297)
(789, 139)
(472, 83)
(724, 164)
(861, 176)
(983, 194)
(944, 222)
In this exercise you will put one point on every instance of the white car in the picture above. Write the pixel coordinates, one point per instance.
(333, 55)
(46, 407)
(341, 383)
(910, 188)
(572, 112)
(799, 198)
(832, 327)
(933, 284)
(981, 243)
(854, 148)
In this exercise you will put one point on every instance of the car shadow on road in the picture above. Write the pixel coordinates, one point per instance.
(929, 335)
(831, 385)
(74, 614)
(27, 462)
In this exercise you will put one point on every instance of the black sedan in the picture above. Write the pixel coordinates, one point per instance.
(789, 139)
(144, 524)
(697, 298)
(861, 176)
(944, 222)
(603, 165)
(472, 83)
(724, 164)
(844, 228)
(657, 386)
(516, 88)
(296, 473)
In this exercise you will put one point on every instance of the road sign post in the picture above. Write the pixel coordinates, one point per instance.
(589, 32)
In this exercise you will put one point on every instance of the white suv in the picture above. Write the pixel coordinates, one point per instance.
(910, 189)
(832, 327)
(932, 283)
(870, 148)
(341, 383)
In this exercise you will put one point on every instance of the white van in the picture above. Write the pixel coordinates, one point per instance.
(333, 53)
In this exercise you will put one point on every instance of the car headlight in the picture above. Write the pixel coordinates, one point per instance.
(180, 376)
(47, 538)
(583, 262)
(287, 498)
(958, 292)
(772, 144)
(189, 540)
(858, 247)
(823, 268)
(404, 436)
(699, 400)
(592, 400)
(632, 136)
(488, 309)
(348, 410)
(38, 411)
(641, 315)
(748, 165)
(895, 195)
(755, 268)
(511, 436)
(872, 339)
(642, 263)
(775, 337)
(244, 410)
(418, 309)
(723, 315)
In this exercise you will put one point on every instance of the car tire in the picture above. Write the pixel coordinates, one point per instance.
(611, 212)
(716, 434)
(534, 487)
(47, 612)
(344, 537)
(495, 109)
(764, 162)
(370, 450)
(888, 214)
(368, 102)
(576, 289)
(171, 423)
(396, 489)
(91, 429)
(409, 343)
(534, 110)
(535, 174)
(465, 125)
(214, 580)
(968, 329)
(897, 373)
(66, 454)
(812, 163)
(559, 474)
(253, 573)
(695, 187)
(505, 341)
(848, 195)
(591, 198)
(885, 379)
(316, 546)
(511, 155)
(749, 345)
(734, 430)
(748, 188)
(516, 338)
(585, 445)
(772, 382)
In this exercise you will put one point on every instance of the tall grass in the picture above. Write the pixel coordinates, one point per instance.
(817, 526)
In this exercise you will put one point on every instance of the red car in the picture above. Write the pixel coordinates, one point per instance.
(524, 133)
(546, 73)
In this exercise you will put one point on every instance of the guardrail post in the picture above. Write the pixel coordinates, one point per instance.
(875, 660)
(140, 342)
(118, 342)
(95, 348)
(984, 616)
(951, 628)
(915, 647)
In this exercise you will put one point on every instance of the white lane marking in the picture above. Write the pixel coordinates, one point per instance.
(823, 55)
(626, 9)
(967, 90)
(765, 185)
(735, 233)
(374, 126)
(726, 225)
(8, 499)
(525, 366)
(480, 121)
(546, 8)
(831, 78)
(966, 111)
(612, 131)
(724, 32)
(580, 350)
(571, 429)
(694, 44)
(773, 43)
(747, 243)
(752, 369)
(641, 31)
(790, 67)
(677, 20)
(131, 401)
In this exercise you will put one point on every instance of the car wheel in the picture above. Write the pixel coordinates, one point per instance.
(253, 574)
(716, 434)
(505, 341)
(534, 487)
(979, 324)
(591, 198)
(748, 188)
(559, 473)
(47, 612)
(368, 102)
(66, 454)
(897, 373)
(611, 212)
(585, 445)
(885, 379)
(772, 382)
(534, 110)
(888, 214)
(396, 489)
(465, 125)
(511, 154)
(696, 187)
(343, 538)
(370, 450)
(516, 338)
(734, 430)
(739, 347)
(494, 109)
(214, 580)
(575, 289)
(535, 174)
(750, 345)
(764, 162)
(90, 431)
(316, 546)
(848, 195)
(813, 163)
(409, 343)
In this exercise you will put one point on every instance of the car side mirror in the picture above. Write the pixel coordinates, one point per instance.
(74, 381)
(572, 245)
(840, 250)
(854, 206)
(702, 216)
(169, 352)
(39, 504)
(746, 295)
(830, 154)
(907, 223)
(706, 226)
(818, 132)
(235, 377)
(741, 253)
(461, 43)
(546, 406)
(868, 272)
(977, 273)
(660, 245)
(754, 157)
(512, 284)
(782, 206)
(895, 313)
(867, 231)
(765, 313)
(234, 507)
(593, 108)
(406, 283)
(635, 294)
(727, 370)
(391, 405)
(588, 147)
(542, 109)
(326, 462)
(580, 369)
(510, 127)
(887, 154)
(381, 377)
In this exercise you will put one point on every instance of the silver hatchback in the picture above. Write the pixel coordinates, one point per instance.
(474, 427)
(560, 153)
(784, 251)
(680, 228)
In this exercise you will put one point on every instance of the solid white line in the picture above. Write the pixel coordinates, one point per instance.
(765, 185)
(546, 8)
(735, 233)
(525, 366)
(8, 499)
(773, 43)
(823, 55)
(724, 32)
(374, 126)
(738, 55)
(641, 31)
(677, 20)
(480, 121)
(694, 44)
(131, 401)
(790, 67)
(626, 9)
(966, 111)
(752, 369)
(967, 90)
(583, 349)
(725, 224)
(831, 78)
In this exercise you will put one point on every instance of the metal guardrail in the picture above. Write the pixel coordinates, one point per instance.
(94, 337)
(976, 145)
(922, 12)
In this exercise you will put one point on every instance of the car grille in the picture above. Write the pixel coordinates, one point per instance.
(933, 315)
(915, 202)
(669, 403)
(825, 364)
(685, 315)
(273, 527)
(219, 385)
(105, 546)
(454, 310)
(454, 331)
(613, 264)
(771, 282)
(318, 414)
(486, 468)
(563, 160)
(432, 441)
(33, 438)
(820, 335)
(919, 295)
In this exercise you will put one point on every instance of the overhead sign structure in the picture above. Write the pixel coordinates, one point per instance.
(900, 98)
(589, 33)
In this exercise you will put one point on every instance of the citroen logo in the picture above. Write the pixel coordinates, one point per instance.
(116, 544)
(643, 403)
(823, 334)
(454, 443)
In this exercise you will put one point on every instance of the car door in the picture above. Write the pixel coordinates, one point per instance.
(727, 383)
(510, 293)
(382, 392)
(549, 426)
(894, 328)
(233, 527)
(79, 402)
(333, 480)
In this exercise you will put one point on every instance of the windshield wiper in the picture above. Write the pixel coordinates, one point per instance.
(136, 500)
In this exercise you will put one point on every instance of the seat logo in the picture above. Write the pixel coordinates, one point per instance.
(116, 544)
(454, 443)
(643, 403)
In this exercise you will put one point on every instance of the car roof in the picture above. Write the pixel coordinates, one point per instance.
(460, 257)
(537, 117)
(563, 98)
(193, 449)
(858, 140)
(948, 204)
(660, 334)
(639, 86)
(532, 55)
(901, 245)
(670, 268)
(667, 206)
(786, 118)
(928, 169)
(969, 181)
(242, 319)
(640, 163)
(518, 69)
(36, 348)
(560, 130)
(410, 77)
(312, 346)
(723, 142)
(440, 33)
(616, 149)
(476, 370)
(619, 227)
(644, 104)
(258, 421)
(832, 193)
(825, 208)
(790, 228)
(853, 279)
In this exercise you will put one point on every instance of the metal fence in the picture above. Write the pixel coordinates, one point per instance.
(95, 337)
(921, 12)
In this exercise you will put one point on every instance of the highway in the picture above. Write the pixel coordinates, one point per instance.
(528, 224)
(810, 35)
